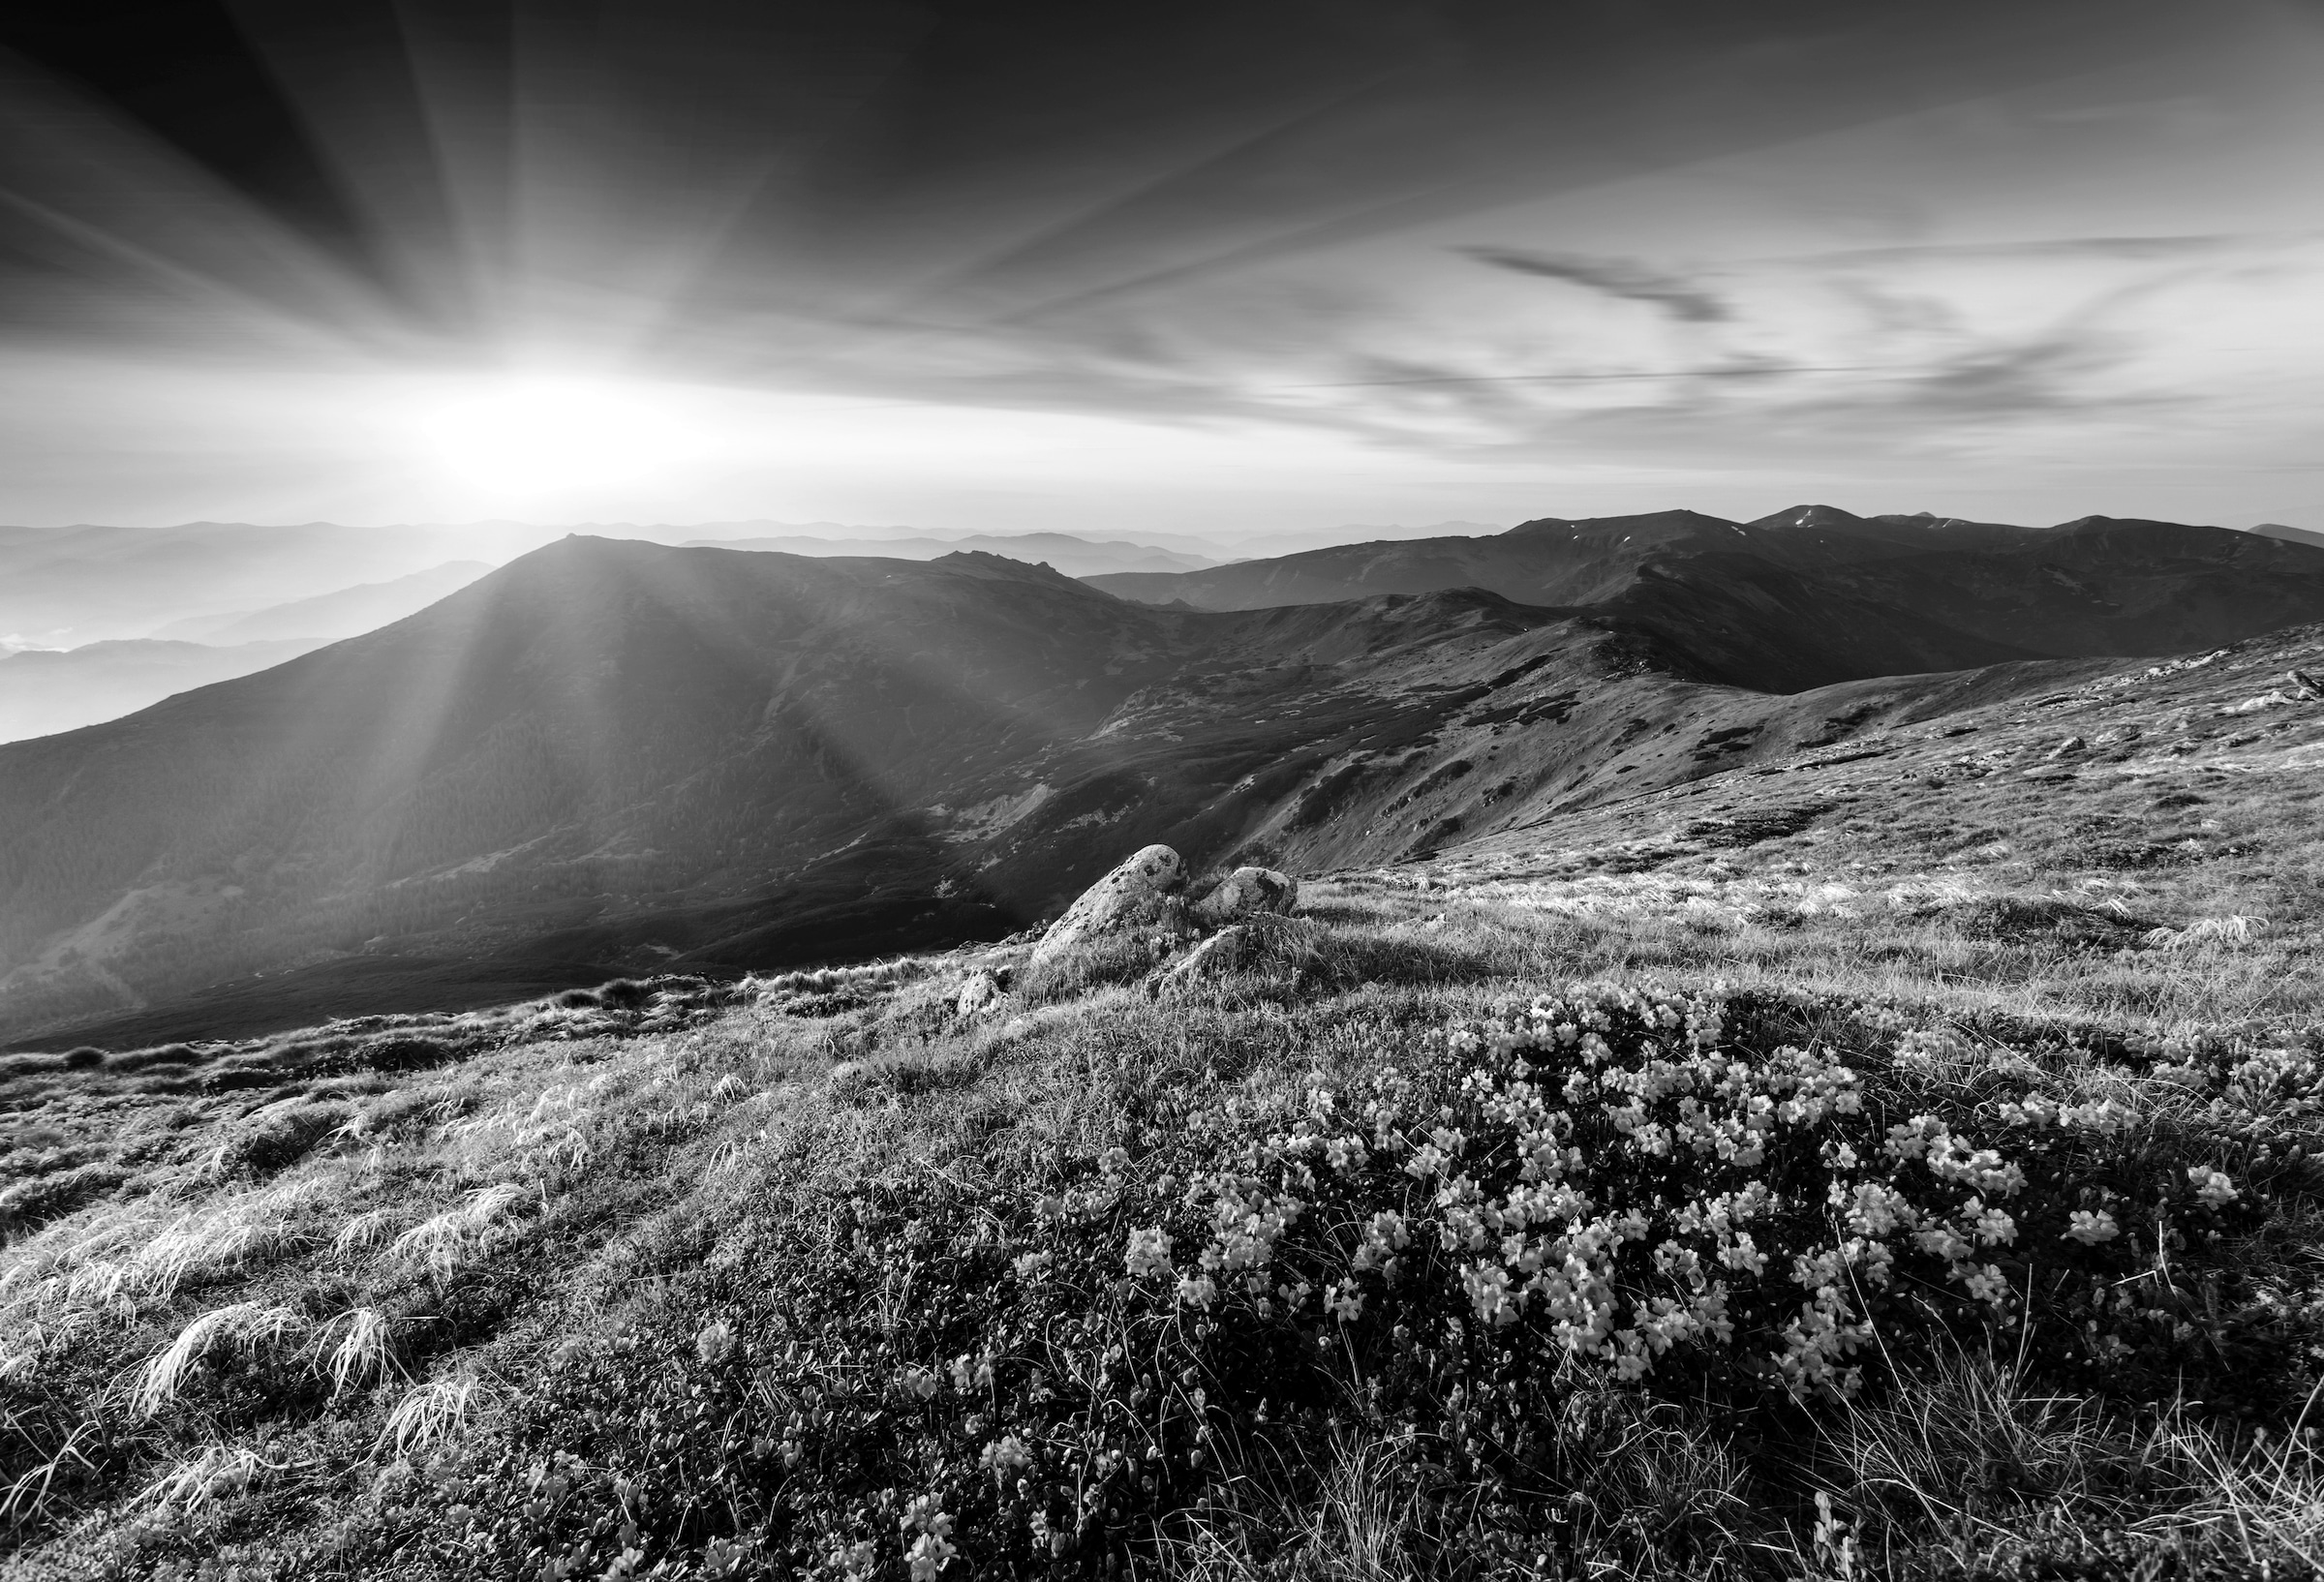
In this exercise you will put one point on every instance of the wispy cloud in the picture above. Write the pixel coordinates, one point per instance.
(1624, 278)
(2123, 249)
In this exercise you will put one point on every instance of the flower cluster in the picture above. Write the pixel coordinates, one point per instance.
(1606, 1180)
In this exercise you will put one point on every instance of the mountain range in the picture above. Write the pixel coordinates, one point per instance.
(1813, 596)
(347, 612)
(614, 756)
(1075, 556)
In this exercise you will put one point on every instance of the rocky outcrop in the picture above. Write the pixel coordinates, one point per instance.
(1141, 893)
(1247, 893)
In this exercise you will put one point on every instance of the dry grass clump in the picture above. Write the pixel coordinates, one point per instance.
(251, 1327)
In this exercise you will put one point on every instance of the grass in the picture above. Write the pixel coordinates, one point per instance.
(817, 1275)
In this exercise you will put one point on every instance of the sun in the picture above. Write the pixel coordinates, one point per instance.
(538, 435)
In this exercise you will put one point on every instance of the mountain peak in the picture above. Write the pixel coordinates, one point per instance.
(1810, 516)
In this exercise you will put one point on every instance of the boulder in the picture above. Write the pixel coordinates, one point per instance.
(981, 993)
(1264, 943)
(1216, 956)
(1141, 893)
(1245, 893)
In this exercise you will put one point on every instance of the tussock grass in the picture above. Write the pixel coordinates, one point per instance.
(433, 1412)
(252, 1326)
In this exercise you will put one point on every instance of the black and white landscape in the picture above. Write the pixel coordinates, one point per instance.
(1371, 792)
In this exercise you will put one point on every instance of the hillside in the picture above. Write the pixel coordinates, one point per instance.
(619, 754)
(1892, 1158)
(1813, 596)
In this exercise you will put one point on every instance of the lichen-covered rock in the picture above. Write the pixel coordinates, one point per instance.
(1247, 892)
(981, 993)
(1264, 943)
(1142, 892)
(1220, 953)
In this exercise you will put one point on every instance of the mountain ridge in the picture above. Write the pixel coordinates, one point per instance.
(613, 756)
(1887, 594)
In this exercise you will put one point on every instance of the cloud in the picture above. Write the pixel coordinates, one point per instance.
(1624, 278)
(2130, 249)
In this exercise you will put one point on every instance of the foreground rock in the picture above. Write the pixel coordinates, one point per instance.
(980, 995)
(1247, 893)
(1263, 941)
(1141, 893)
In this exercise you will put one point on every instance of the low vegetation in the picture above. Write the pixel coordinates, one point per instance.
(1659, 1222)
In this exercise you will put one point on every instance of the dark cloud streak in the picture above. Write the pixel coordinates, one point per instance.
(1623, 278)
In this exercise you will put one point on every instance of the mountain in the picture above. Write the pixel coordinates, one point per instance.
(2290, 536)
(1815, 595)
(1074, 557)
(614, 756)
(329, 617)
(44, 691)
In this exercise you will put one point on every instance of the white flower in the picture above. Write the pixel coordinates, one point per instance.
(1345, 1302)
(926, 1514)
(2212, 1188)
(1148, 1252)
(1488, 1286)
(928, 1555)
(1005, 1455)
(715, 1343)
(2090, 1229)
(1198, 1290)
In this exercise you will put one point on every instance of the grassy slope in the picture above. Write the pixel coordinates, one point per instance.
(721, 1280)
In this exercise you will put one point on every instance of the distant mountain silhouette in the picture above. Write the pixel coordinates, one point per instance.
(1815, 595)
(2290, 536)
(1074, 556)
(44, 691)
(349, 612)
(78, 585)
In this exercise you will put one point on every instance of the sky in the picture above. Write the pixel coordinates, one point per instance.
(1225, 268)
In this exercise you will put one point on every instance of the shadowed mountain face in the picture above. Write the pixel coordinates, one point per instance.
(614, 756)
(1815, 595)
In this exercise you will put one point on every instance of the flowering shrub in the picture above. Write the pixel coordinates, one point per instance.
(1608, 1183)
(1493, 1257)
